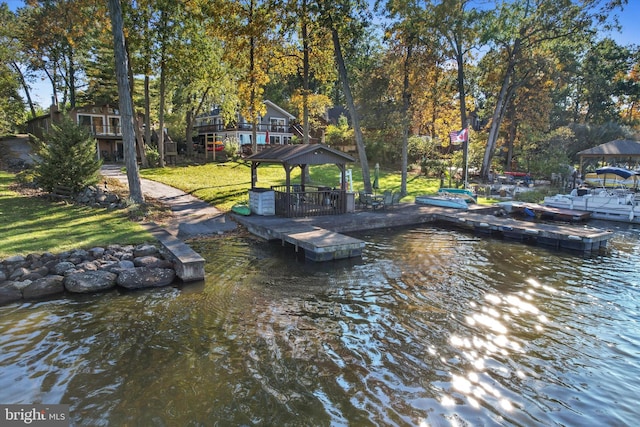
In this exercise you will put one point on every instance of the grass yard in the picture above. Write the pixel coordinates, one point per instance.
(224, 184)
(34, 225)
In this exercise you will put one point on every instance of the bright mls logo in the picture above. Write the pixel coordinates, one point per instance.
(34, 415)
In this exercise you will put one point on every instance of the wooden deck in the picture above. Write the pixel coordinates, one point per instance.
(549, 212)
(321, 237)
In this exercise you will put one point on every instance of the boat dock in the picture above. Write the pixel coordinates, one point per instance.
(558, 236)
(545, 212)
(321, 237)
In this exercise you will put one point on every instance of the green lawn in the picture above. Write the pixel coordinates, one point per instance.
(33, 225)
(224, 184)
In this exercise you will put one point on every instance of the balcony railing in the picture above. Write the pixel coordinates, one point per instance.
(99, 130)
(260, 127)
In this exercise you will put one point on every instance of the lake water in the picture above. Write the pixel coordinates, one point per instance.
(431, 327)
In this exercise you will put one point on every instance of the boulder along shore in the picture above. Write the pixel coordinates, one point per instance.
(46, 275)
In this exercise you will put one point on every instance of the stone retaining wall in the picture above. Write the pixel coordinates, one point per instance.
(84, 271)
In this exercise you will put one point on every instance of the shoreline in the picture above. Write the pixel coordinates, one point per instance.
(99, 269)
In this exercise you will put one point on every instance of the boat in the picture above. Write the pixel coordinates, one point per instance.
(465, 193)
(613, 204)
(443, 201)
(612, 177)
(241, 209)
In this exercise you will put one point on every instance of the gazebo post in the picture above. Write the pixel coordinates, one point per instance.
(303, 174)
(254, 173)
(287, 171)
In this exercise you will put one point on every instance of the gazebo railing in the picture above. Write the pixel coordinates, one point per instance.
(313, 201)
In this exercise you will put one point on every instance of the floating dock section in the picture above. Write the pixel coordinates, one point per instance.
(569, 237)
(319, 244)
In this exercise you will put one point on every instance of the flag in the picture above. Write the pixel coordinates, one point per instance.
(459, 136)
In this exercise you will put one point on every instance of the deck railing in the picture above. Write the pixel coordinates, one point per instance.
(260, 127)
(313, 200)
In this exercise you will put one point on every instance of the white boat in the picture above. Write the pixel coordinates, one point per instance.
(465, 193)
(443, 201)
(619, 204)
(613, 205)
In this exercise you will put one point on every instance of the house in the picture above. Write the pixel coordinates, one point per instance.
(103, 122)
(275, 127)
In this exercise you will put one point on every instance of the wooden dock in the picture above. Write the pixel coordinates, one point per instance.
(546, 212)
(319, 244)
(321, 237)
(559, 236)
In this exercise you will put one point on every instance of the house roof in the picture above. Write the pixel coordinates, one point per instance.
(617, 148)
(279, 109)
(308, 154)
(216, 111)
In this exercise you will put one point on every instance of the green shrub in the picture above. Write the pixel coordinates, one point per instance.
(67, 158)
(232, 148)
(153, 157)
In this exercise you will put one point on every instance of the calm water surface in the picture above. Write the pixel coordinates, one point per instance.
(430, 328)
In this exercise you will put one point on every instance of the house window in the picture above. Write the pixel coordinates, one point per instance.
(94, 123)
(114, 126)
(277, 124)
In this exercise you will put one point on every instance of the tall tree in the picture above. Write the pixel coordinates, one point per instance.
(459, 26)
(339, 20)
(58, 34)
(604, 70)
(126, 103)
(517, 28)
(11, 75)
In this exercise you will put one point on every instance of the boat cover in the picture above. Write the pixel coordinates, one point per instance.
(621, 172)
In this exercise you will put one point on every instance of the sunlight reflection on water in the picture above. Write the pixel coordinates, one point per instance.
(431, 327)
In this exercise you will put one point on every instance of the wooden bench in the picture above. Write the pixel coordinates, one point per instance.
(61, 192)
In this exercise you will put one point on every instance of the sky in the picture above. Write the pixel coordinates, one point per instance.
(629, 34)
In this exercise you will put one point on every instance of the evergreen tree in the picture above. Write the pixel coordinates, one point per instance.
(67, 158)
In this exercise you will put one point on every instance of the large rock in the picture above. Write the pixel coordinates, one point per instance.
(145, 277)
(97, 252)
(9, 293)
(152, 262)
(145, 250)
(90, 281)
(16, 259)
(49, 285)
(63, 266)
(18, 273)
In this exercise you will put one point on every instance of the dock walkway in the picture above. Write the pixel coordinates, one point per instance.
(321, 239)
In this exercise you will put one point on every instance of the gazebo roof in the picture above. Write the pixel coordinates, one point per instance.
(617, 148)
(301, 154)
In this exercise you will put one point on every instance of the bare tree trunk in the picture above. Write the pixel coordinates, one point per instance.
(342, 71)
(139, 140)
(511, 137)
(126, 103)
(147, 115)
(406, 105)
(463, 109)
(27, 92)
(496, 120)
(305, 83)
(161, 115)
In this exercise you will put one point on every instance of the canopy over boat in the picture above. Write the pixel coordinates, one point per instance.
(621, 172)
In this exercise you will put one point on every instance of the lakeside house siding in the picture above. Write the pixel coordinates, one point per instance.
(274, 127)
